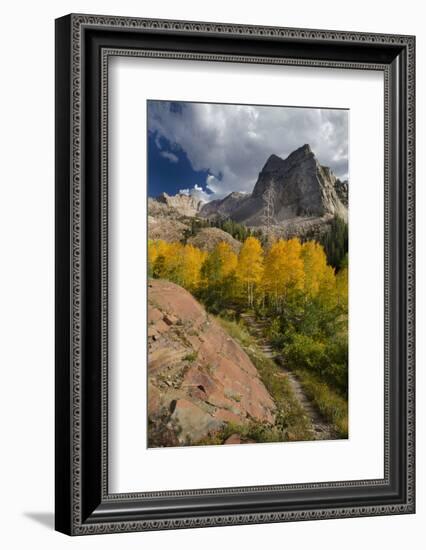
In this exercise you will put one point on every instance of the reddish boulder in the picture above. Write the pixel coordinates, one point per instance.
(203, 377)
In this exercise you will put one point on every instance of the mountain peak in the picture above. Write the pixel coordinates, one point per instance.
(273, 163)
(301, 187)
(300, 153)
(276, 163)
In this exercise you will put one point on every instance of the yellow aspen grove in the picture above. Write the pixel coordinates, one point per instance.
(218, 276)
(173, 262)
(287, 266)
(157, 253)
(327, 292)
(273, 267)
(151, 255)
(155, 249)
(176, 262)
(315, 266)
(192, 260)
(284, 270)
(228, 259)
(295, 274)
(250, 267)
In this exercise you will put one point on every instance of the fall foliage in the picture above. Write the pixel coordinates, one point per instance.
(250, 267)
(287, 282)
(270, 277)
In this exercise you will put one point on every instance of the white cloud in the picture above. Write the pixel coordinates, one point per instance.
(170, 156)
(215, 186)
(197, 192)
(233, 142)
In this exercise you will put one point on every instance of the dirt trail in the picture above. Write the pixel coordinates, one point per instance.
(321, 429)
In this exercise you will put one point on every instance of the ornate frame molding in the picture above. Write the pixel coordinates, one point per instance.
(72, 45)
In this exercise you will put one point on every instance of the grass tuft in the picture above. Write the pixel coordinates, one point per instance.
(191, 357)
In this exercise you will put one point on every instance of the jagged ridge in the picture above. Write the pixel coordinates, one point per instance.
(297, 186)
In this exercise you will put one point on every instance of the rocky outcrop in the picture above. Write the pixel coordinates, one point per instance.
(166, 222)
(186, 205)
(199, 378)
(342, 190)
(224, 207)
(208, 237)
(166, 229)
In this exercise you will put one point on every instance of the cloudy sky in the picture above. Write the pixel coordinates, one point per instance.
(209, 149)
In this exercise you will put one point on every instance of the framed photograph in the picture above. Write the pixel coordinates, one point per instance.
(234, 274)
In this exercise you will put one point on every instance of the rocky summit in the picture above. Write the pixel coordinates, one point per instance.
(286, 189)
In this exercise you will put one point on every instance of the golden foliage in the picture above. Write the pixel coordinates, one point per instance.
(315, 266)
(250, 266)
(286, 267)
(177, 262)
(228, 259)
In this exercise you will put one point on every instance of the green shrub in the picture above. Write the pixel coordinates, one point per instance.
(327, 359)
(305, 352)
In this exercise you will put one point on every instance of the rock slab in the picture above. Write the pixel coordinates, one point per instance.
(199, 378)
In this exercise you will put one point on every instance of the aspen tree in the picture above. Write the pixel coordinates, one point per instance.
(250, 267)
(315, 266)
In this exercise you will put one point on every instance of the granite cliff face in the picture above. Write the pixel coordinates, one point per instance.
(286, 189)
(199, 378)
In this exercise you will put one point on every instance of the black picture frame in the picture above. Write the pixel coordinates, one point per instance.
(83, 45)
